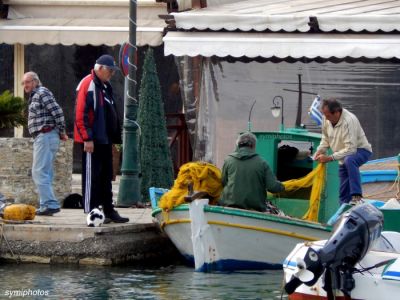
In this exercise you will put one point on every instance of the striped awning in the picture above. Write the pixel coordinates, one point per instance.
(282, 45)
(96, 22)
(288, 28)
(294, 15)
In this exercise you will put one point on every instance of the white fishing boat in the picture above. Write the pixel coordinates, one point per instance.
(236, 239)
(216, 238)
(357, 262)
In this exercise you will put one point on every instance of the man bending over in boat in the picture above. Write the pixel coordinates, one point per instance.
(342, 132)
(246, 177)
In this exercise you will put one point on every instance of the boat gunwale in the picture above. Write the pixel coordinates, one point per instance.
(251, 214)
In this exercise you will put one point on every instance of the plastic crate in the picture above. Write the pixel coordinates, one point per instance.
(155, 195)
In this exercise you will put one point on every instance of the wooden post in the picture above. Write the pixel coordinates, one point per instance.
(19, 70)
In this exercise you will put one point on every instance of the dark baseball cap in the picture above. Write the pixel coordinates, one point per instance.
(107, 61)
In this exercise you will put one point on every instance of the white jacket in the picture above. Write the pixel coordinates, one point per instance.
(344, 138)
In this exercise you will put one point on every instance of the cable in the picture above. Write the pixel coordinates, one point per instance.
(134, 122)
(366, 269)
(142, 214)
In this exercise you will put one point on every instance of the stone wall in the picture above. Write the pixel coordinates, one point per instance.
(16, 168)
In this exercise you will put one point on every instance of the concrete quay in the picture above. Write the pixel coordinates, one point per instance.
(65, 238)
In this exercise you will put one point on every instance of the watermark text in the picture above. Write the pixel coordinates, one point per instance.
(25, 293)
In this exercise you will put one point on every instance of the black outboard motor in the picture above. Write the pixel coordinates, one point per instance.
(355, 234)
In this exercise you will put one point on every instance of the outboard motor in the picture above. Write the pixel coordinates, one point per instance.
(355, 234)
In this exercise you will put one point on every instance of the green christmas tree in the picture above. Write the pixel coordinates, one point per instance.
(155, 156)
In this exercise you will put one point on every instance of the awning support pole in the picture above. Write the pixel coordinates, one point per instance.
(19, 70)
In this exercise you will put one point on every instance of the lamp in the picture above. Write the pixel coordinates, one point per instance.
(278, 110)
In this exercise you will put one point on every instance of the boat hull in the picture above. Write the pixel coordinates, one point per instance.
(241, 240)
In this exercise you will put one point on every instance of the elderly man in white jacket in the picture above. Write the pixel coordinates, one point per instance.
(342, 132)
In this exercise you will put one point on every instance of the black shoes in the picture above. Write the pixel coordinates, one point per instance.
(47, 212)
(114, 216)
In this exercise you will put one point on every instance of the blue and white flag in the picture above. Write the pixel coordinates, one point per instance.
(315, 111)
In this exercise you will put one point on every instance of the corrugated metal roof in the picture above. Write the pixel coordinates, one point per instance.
(294, 15)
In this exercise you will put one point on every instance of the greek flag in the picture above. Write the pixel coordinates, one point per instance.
(315, 112)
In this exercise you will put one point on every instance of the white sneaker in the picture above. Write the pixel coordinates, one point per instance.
(356, 200)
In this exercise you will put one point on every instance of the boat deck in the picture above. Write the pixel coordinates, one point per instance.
(381, 164)
(383, 190)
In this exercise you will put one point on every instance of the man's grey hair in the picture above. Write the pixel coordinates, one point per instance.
(332, 104)
(35, 77)
(246, 139)
(97, 67)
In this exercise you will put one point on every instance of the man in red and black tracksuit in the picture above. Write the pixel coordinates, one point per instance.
(97, 127)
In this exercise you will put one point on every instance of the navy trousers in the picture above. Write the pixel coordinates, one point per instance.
(97, 172)
(349, 175)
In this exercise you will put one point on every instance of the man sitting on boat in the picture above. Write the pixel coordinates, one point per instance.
(342, 132)
(246, 177)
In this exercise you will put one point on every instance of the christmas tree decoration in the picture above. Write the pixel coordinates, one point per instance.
(155, 156)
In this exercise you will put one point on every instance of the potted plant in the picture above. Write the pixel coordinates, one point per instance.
(11, 112)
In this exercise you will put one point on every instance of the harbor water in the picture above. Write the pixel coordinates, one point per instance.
(36, 281)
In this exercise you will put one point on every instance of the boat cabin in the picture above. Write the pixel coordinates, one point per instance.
(289, 154)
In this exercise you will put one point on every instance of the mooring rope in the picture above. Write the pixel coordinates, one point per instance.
(396, 184)
(3, 237)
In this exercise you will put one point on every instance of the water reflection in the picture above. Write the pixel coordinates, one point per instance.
(88, 282)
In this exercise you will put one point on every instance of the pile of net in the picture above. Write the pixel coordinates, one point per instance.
(18, 212)
(316, 179)
(203, 176)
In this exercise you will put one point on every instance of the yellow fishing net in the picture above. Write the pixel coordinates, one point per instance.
(207, 177)
(316, 179)
(19, 212)
(204, 177)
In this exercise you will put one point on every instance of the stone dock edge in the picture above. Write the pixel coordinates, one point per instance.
(65, 239)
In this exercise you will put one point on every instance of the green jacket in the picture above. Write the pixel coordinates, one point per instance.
(246, 177)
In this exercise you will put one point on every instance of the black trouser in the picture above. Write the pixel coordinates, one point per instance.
(97, 172)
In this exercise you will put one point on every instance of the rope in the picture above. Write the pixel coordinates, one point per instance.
(3, 237)
(396, 184)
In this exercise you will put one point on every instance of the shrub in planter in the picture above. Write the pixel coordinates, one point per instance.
(11, 110)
